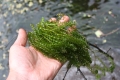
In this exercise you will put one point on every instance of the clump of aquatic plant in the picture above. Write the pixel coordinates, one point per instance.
(56, 41)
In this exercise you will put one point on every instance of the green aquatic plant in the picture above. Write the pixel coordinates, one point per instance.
(55, 40)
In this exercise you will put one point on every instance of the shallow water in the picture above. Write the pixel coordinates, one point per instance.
(101, 15)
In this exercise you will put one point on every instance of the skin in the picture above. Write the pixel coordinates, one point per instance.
(26, 63)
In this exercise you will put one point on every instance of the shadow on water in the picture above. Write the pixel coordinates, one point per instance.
(90, 15)
(72, 7)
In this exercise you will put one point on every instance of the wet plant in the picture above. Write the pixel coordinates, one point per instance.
(63, 42)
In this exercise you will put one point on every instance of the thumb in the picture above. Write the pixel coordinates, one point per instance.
(22, 38)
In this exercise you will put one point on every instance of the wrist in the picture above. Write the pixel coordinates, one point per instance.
(16, 76)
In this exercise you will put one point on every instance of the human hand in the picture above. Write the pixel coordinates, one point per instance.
(26, 63)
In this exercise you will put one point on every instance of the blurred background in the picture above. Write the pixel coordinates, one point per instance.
(98, 20)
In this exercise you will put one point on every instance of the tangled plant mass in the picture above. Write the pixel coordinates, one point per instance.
(61, 41)
(55, 41)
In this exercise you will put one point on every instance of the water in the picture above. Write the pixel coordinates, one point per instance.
(101, 15)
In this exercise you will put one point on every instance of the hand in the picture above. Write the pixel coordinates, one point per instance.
(26, 63)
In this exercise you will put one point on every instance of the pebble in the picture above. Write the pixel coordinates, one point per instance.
(104, 41)
(4, 22)
(13, 12)
(40, 1)
(19, 5)
(30, 4)
(1, 46)
(17, 31)
(5, 14)
(7, 0)
(4, 56)
(4, 75)
(1, 67)
(25, 9)
(4, 41)
(89, 15)
(110, 12)
(11, 7)
(7, 25)
(25, 1)
(14, 1)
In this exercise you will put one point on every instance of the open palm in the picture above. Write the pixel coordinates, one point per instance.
(30, 63)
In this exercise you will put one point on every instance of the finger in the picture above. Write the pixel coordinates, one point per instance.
(22, 38)
(64, 19)
(52, 20)
(70, 29)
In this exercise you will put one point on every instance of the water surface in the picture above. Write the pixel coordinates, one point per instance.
(90, 15)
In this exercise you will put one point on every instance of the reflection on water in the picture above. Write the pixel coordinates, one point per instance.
(90, 15)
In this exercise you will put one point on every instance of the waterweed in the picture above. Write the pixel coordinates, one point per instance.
(55, 40)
